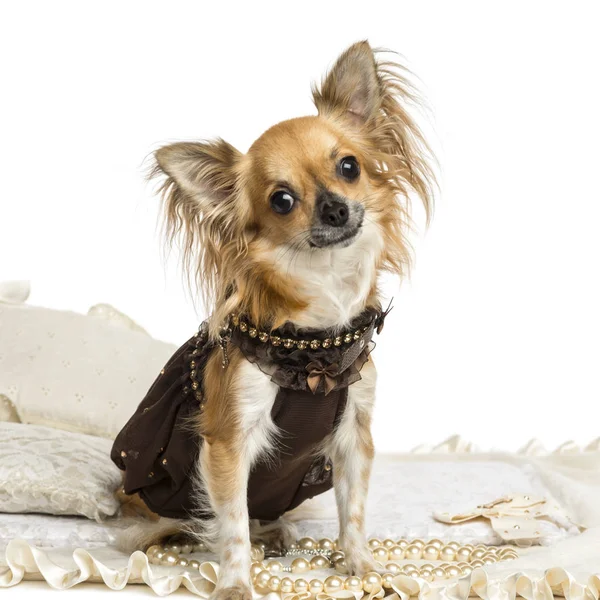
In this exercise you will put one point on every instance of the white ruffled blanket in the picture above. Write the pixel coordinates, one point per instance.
(406, 490)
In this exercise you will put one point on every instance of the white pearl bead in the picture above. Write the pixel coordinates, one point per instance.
(386, 580)
(262, 579)
(300, 586)
(274, 583)
(333, 584)
(152, 550)
(300, 565)
(194, 564)
(340, 565)
(372, 582)
(287, 585)
(453, 571)
(274, 566)
(319, 562)
(315, 586)
(307, 543)
(326, 544)
(353, 584)
(412, 552)
(380, 554)
(169, 559)
(447, 553)
(430, 552)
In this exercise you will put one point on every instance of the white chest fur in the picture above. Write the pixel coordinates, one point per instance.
(336, 281)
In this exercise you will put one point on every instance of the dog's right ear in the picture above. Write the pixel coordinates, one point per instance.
(204, 175)
(203, 212)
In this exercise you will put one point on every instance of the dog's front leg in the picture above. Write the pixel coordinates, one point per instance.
(351, 451)
(237, 418)
(226, 476)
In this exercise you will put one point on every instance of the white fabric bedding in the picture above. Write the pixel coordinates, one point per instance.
(405, 490)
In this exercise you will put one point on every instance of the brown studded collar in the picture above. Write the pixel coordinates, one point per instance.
(319, 360)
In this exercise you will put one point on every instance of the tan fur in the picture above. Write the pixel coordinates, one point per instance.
(216, 198)
(242, 256)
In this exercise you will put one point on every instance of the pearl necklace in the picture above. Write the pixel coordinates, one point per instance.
(266, 574)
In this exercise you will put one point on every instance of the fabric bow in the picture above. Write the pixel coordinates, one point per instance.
(380, 321)
(515, 519)
(316, 372)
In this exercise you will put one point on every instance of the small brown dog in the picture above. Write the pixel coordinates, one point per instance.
(270, 403)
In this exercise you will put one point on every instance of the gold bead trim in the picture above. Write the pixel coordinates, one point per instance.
(456, 561)
(291, 343)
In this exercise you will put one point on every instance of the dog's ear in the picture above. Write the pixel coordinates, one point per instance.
(204, 171)
(203, 211)
(352, 87)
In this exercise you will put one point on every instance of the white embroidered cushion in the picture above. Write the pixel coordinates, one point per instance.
(46, 470)
(84, 373)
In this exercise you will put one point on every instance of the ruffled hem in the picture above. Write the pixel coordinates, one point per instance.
(25, 562)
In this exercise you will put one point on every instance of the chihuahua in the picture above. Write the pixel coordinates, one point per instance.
(270, 402)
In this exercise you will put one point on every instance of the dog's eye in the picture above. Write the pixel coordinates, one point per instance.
(282, 202)
(349, 168)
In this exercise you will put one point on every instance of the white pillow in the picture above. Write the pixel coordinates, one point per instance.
(406, 490)
(45, 470)
(75, 372)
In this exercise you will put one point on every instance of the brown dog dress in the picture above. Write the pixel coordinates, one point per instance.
(158, 449)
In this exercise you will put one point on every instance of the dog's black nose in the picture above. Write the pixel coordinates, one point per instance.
(334, 213)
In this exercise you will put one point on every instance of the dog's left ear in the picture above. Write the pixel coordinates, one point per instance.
(351, 88)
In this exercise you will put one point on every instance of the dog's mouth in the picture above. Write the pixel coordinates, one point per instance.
(328, 237)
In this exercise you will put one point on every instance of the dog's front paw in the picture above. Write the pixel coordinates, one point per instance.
(359, 563)
(235, 592)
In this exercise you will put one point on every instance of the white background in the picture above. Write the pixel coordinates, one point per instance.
(496, 336)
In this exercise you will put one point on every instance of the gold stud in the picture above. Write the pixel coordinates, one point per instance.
(326, 343)
(243, 326)
(348, 338)
(193, 373)
(356, 335)
(146, 409)
(195, 385)
(275, 340)
(151, 474)
(328, 467)
(315, 344)
(193, 364)
(123, 454)
(263, 337)
(288, 343)
(164, 461)
(337, 341)
(252, 332)
(162, 371)
(195, 352)
(302, 344)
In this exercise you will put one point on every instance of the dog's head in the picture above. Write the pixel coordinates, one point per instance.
(309, 184)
